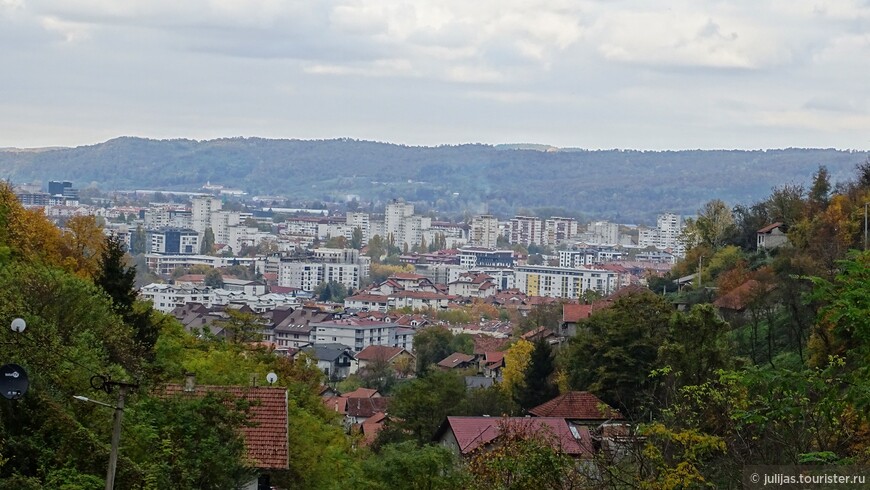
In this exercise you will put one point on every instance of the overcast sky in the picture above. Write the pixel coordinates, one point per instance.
(590, 74)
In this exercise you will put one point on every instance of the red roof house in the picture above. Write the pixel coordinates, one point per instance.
(466, 434)
(577, 405)
(266, 440)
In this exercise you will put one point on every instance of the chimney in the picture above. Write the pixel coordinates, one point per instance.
(189, 382)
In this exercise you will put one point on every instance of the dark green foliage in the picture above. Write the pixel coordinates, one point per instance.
(433, 344)
(538, 386)
(404, 465)
(478, 173)
(331, 291)
(616, 349)
(207, 246)
(214, 278)
(138, 241)
(118, 281)
(492, 401)
(419, 406)
(201, 432)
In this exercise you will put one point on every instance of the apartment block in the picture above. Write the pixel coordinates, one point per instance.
(525, 230)
(558, 282)
(484, 231)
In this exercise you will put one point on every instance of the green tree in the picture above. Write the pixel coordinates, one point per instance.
(616, 350)
(538, 385)
(420, 405)
(242, 327)
(337, 242)
(331, 291)
(207, 246)
(190, 443)
(214, 278)
(523, 457)
(356, 239)
(138, 241)
(431, 345)
(713, 227)
(118, 280)
(697, 347)
(404, 465)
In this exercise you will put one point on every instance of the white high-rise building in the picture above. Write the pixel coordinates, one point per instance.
(604, 232)
(557, 229)
(394, 217)
(666, 234)
(361, 221)
(526, 230)
(484, 231)
(202, 208)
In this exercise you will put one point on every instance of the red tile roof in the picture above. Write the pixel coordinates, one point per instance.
(573, 313)
(494, 357)
(362, 393)
(576, 405)
(266, 441)
(487, 343)
(474, 432)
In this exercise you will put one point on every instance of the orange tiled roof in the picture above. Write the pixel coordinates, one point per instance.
(573, 313)
(266, 441)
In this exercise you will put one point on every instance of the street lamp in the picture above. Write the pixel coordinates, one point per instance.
(116, 431)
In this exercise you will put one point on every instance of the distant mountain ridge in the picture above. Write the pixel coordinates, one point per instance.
(627, 185)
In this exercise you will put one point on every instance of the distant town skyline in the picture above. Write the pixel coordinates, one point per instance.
(586, 74)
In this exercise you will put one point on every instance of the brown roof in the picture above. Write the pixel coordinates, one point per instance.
(576, 405)
(378, 353)
(366, 407)
(487, 343)
(541, 332)
(474, 432)
(456, 359)
(266, 441)
(770, 227)
(362, 393)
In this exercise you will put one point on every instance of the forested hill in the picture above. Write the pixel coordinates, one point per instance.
(616, 184)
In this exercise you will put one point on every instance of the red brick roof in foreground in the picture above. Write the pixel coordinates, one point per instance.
(576, 405)
(474, 432)
(266, 441)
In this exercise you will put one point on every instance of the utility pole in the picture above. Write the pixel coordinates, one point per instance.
(116, 438)
(104, 383)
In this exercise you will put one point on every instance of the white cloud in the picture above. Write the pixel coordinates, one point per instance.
(681, 73)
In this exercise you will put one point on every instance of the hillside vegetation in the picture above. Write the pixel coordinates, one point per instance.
(623, 185)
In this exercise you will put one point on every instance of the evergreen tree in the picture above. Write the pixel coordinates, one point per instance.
(538, 376)
(138, 242)
(207, 246)
(356, 240)
(119, 282)
(115, 278)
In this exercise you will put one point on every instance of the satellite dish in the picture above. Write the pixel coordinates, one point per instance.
(18, 325)
(271, 378)
(13, 381)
